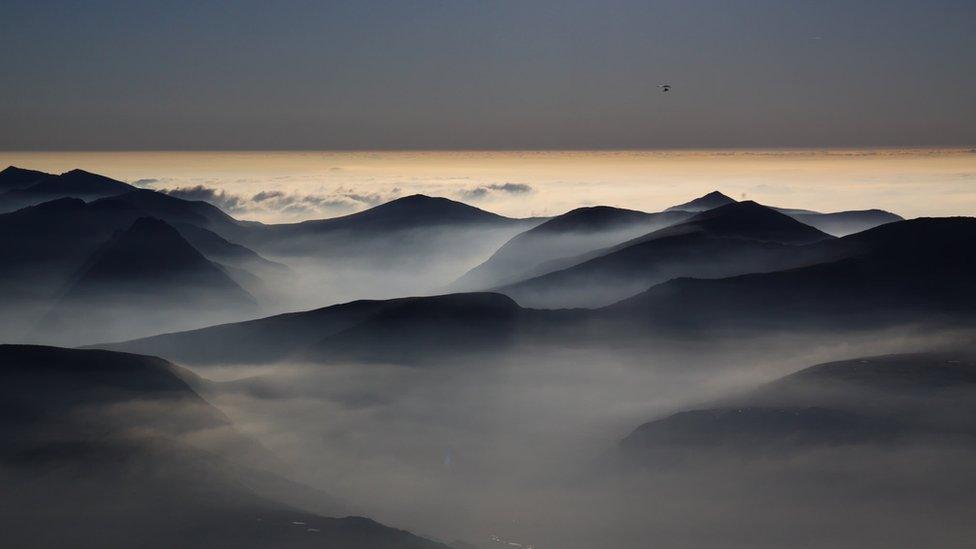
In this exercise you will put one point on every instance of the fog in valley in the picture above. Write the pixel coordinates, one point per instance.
(525, 447)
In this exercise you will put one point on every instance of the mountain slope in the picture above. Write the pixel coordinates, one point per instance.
(909, 270)
(145, 278)
(866, 400)
(55, 239)
(570, 234)
(401, 329)
(108, 449)
(847, 222)
(177, 210)
(738, 238)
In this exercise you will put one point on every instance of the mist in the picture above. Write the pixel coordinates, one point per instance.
(525, 447)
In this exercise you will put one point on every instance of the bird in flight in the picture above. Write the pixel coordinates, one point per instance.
(665, 87)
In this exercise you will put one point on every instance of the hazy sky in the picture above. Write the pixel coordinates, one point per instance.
(485, 74)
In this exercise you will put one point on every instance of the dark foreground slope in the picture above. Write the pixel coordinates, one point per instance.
(104, 449)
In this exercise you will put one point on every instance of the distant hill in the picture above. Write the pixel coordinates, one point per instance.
(415, 225)
(144, 279)
(879, 400)
(739, 238)
(412, 211)
(72, 184)
(106, 449)
(570, 234)
(849, 222)
(833, 223)
(709, 201)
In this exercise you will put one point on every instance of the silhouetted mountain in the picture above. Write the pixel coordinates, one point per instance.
(56, 238)
(748, 219)
(413, 225)
(395, 330)
(216, 248)
(143, 279)
(567, 235)
(917, 270)
(106, 449)
(882, 399)
(424, 330)
(258, 341)
(844, 223)
(193, 212)
(410, 212)
(739, 238)
(12, 178)
(72, 184)
(910, 271)
(711, 200)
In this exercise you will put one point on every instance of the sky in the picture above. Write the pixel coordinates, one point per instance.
(477, 74)
(291, 186)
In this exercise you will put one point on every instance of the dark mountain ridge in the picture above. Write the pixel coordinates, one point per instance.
(895, 272)
(147, 275)
(738, 238)
(12, 178)
(575, 232)
(906, 272)
(71, 184)
(403, 329)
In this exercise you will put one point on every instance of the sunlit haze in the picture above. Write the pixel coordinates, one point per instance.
(912, 182)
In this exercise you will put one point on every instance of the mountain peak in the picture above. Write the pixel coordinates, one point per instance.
(13, 177)
(749, 219)
(77, 172)
(414, 211)
(709, 201)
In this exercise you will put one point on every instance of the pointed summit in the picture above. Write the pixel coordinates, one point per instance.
(711, 200)
(749, 219)
(151, 273)
(13, 177)
(153, 252)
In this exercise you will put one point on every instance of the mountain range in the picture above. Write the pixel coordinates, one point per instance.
(914, 271)
(113, 444)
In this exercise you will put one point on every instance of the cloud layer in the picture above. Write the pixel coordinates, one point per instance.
(341, 200)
